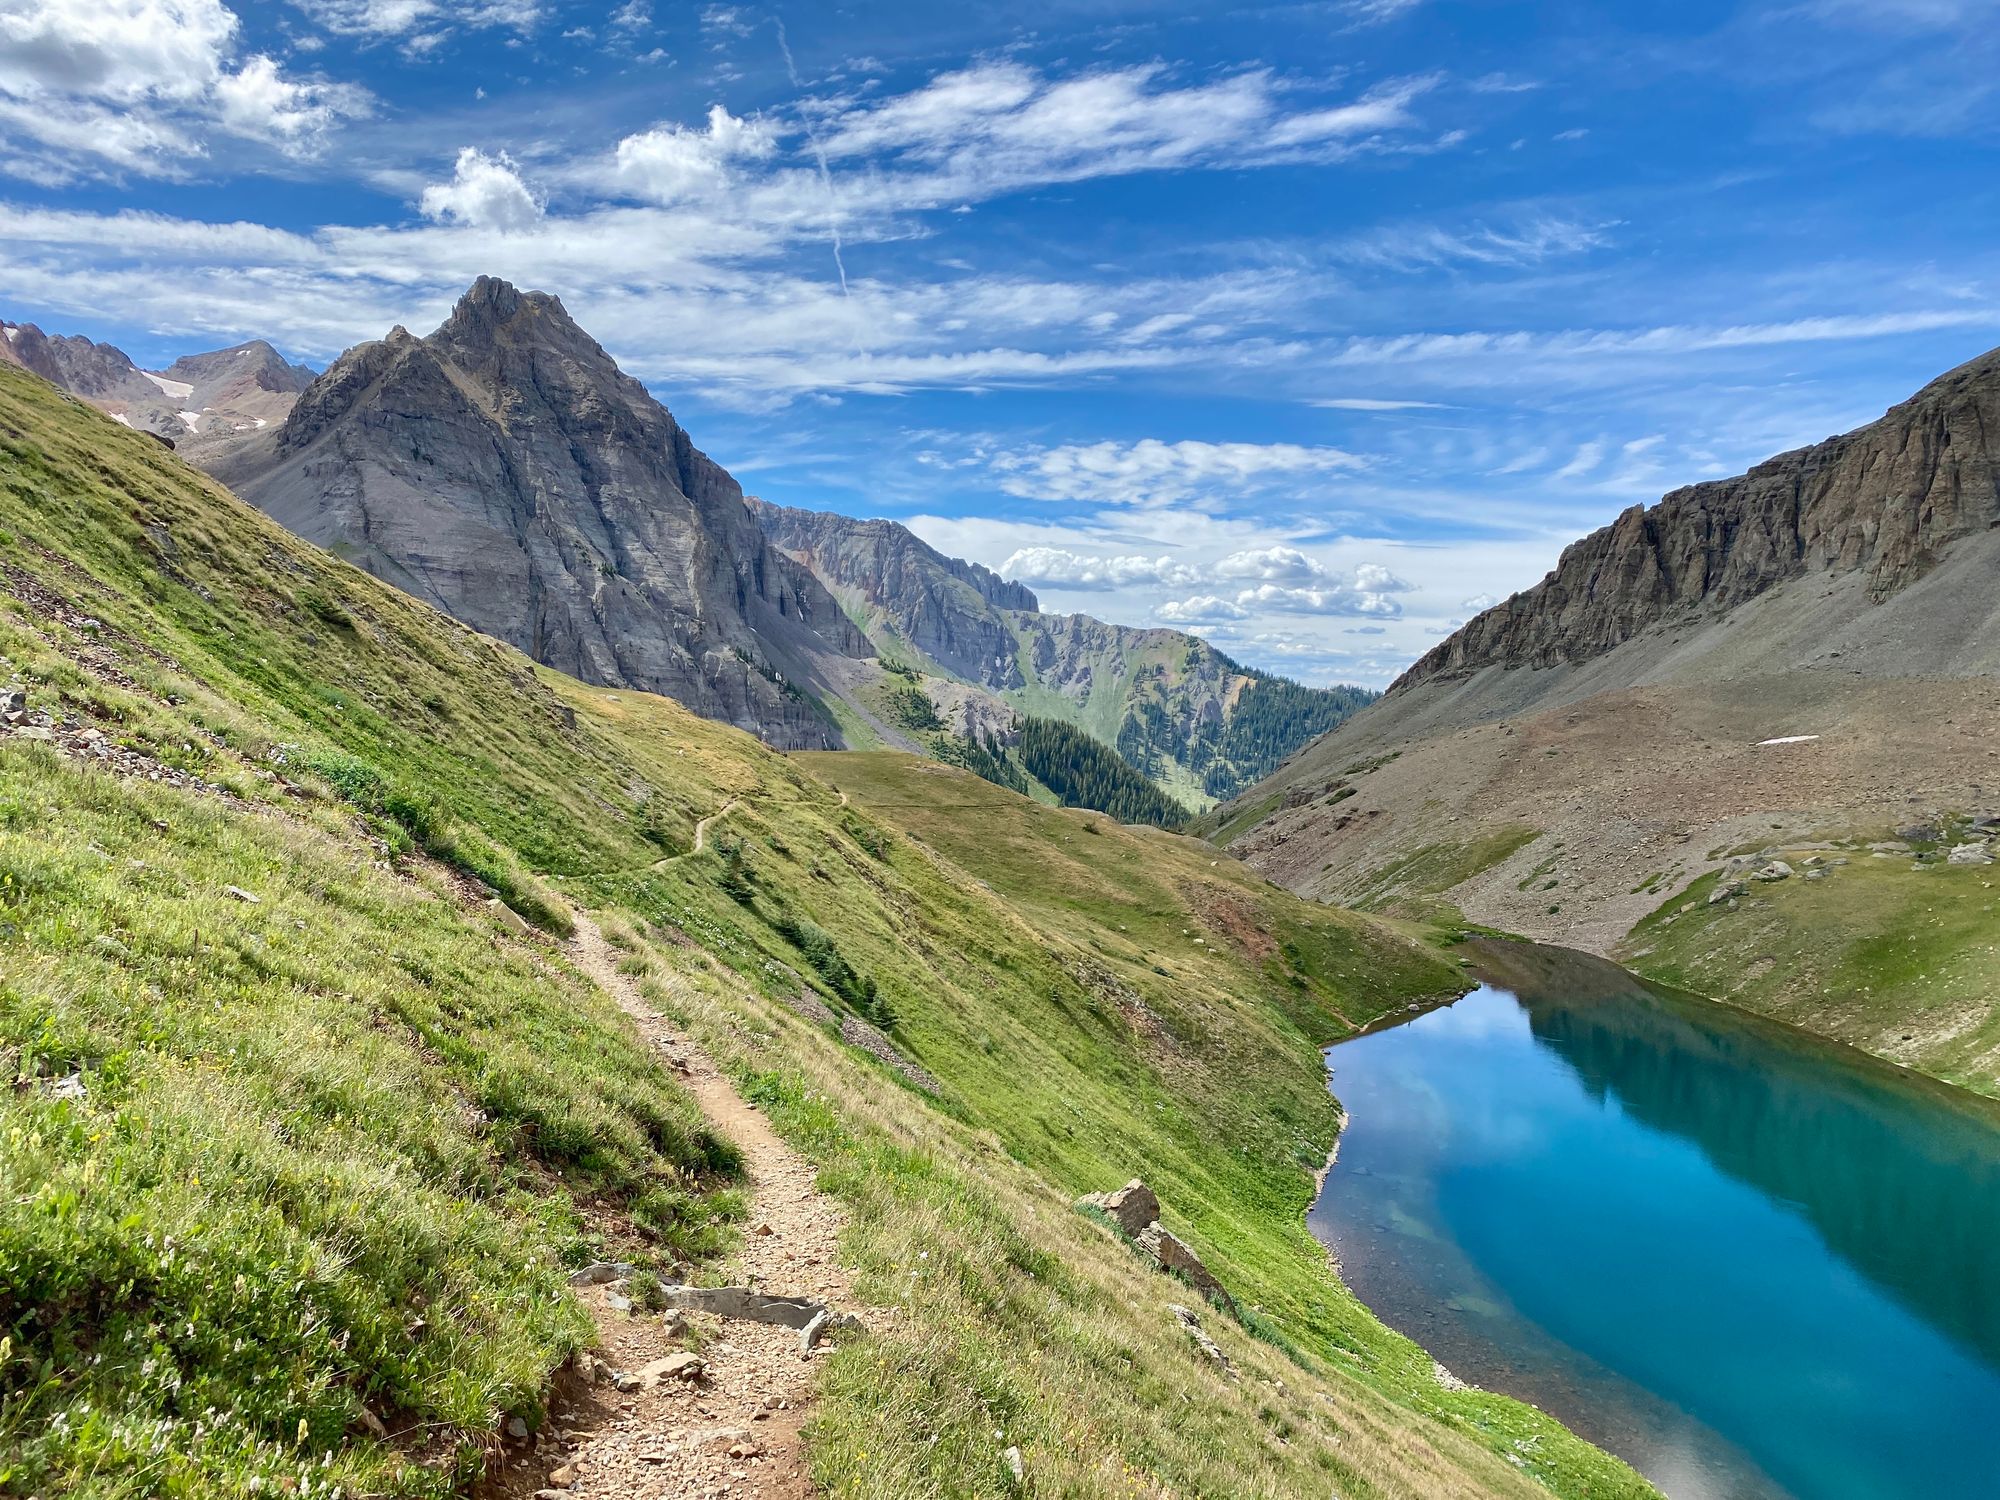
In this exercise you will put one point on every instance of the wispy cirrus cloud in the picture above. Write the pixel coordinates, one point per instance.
(1150, 472)
(402, 18)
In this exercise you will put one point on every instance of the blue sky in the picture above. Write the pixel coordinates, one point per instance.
(1311, 327)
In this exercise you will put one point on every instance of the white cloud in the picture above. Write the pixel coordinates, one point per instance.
(1527, 241)
(1384, 108)
(672, 162)
(1478, 603)
(396, 18)
(485, 192)
(1278, 564)
(1373, 578)
(1001, 126)
(1150, 472)
(258, 102)
(1199, 610)
(1368, 594)
(137, 84)
(633, 15)
(1057, 567)
(1588, 456)
(1375, 403)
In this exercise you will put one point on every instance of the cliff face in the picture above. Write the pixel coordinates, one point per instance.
(1180, 711)
(1883, 501)
(948, 609)
(506, 470)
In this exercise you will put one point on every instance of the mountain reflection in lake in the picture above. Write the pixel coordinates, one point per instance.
(1751, 1262)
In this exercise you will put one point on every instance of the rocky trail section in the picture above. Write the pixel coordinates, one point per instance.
(705, 1399)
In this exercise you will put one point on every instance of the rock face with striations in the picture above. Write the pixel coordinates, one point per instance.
(1884, 501)
(946, 608)
(1175, 707)
(505, 470)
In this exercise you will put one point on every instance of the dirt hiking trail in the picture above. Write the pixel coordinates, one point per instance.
(733, 1430)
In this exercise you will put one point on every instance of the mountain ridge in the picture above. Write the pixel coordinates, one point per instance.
(1194, 721)
(505, 469)
(204, 398)
(1883, 499)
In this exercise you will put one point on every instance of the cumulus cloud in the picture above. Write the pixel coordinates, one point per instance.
(1478, 603)
(1332, 598)
(139, 84)
(1150, 472)
(1058, 567)
(1367, 592)
(1278, 564)
(1202, 609)
(259, 102)
(673, 162)
(485, 192)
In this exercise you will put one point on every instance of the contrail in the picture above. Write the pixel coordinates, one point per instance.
(819, 156)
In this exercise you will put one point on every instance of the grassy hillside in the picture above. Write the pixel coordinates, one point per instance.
(335, 1146)
(293, 1137)
(1898, 958)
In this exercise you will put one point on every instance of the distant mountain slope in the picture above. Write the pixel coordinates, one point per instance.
(1198, 724)
(1805, 654)
(200, 399)
(1882, 502)
(895, 583)
(505, 470)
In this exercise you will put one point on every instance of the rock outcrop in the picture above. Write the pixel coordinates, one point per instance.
(1182, 712)
(1885, 500)
(505, 470)
(1135, 1209)
(946, 608)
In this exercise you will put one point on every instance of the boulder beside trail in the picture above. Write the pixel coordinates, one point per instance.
(1135, 1208)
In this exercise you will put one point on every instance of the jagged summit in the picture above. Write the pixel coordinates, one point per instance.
(506, 470)
(1883, 501)
(201, 399)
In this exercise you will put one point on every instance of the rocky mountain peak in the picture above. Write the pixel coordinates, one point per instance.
(493, 310)
(1885, 501)
(504, 469)
(242, 367)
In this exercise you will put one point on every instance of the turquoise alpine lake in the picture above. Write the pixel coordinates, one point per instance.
(1750, 1262)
